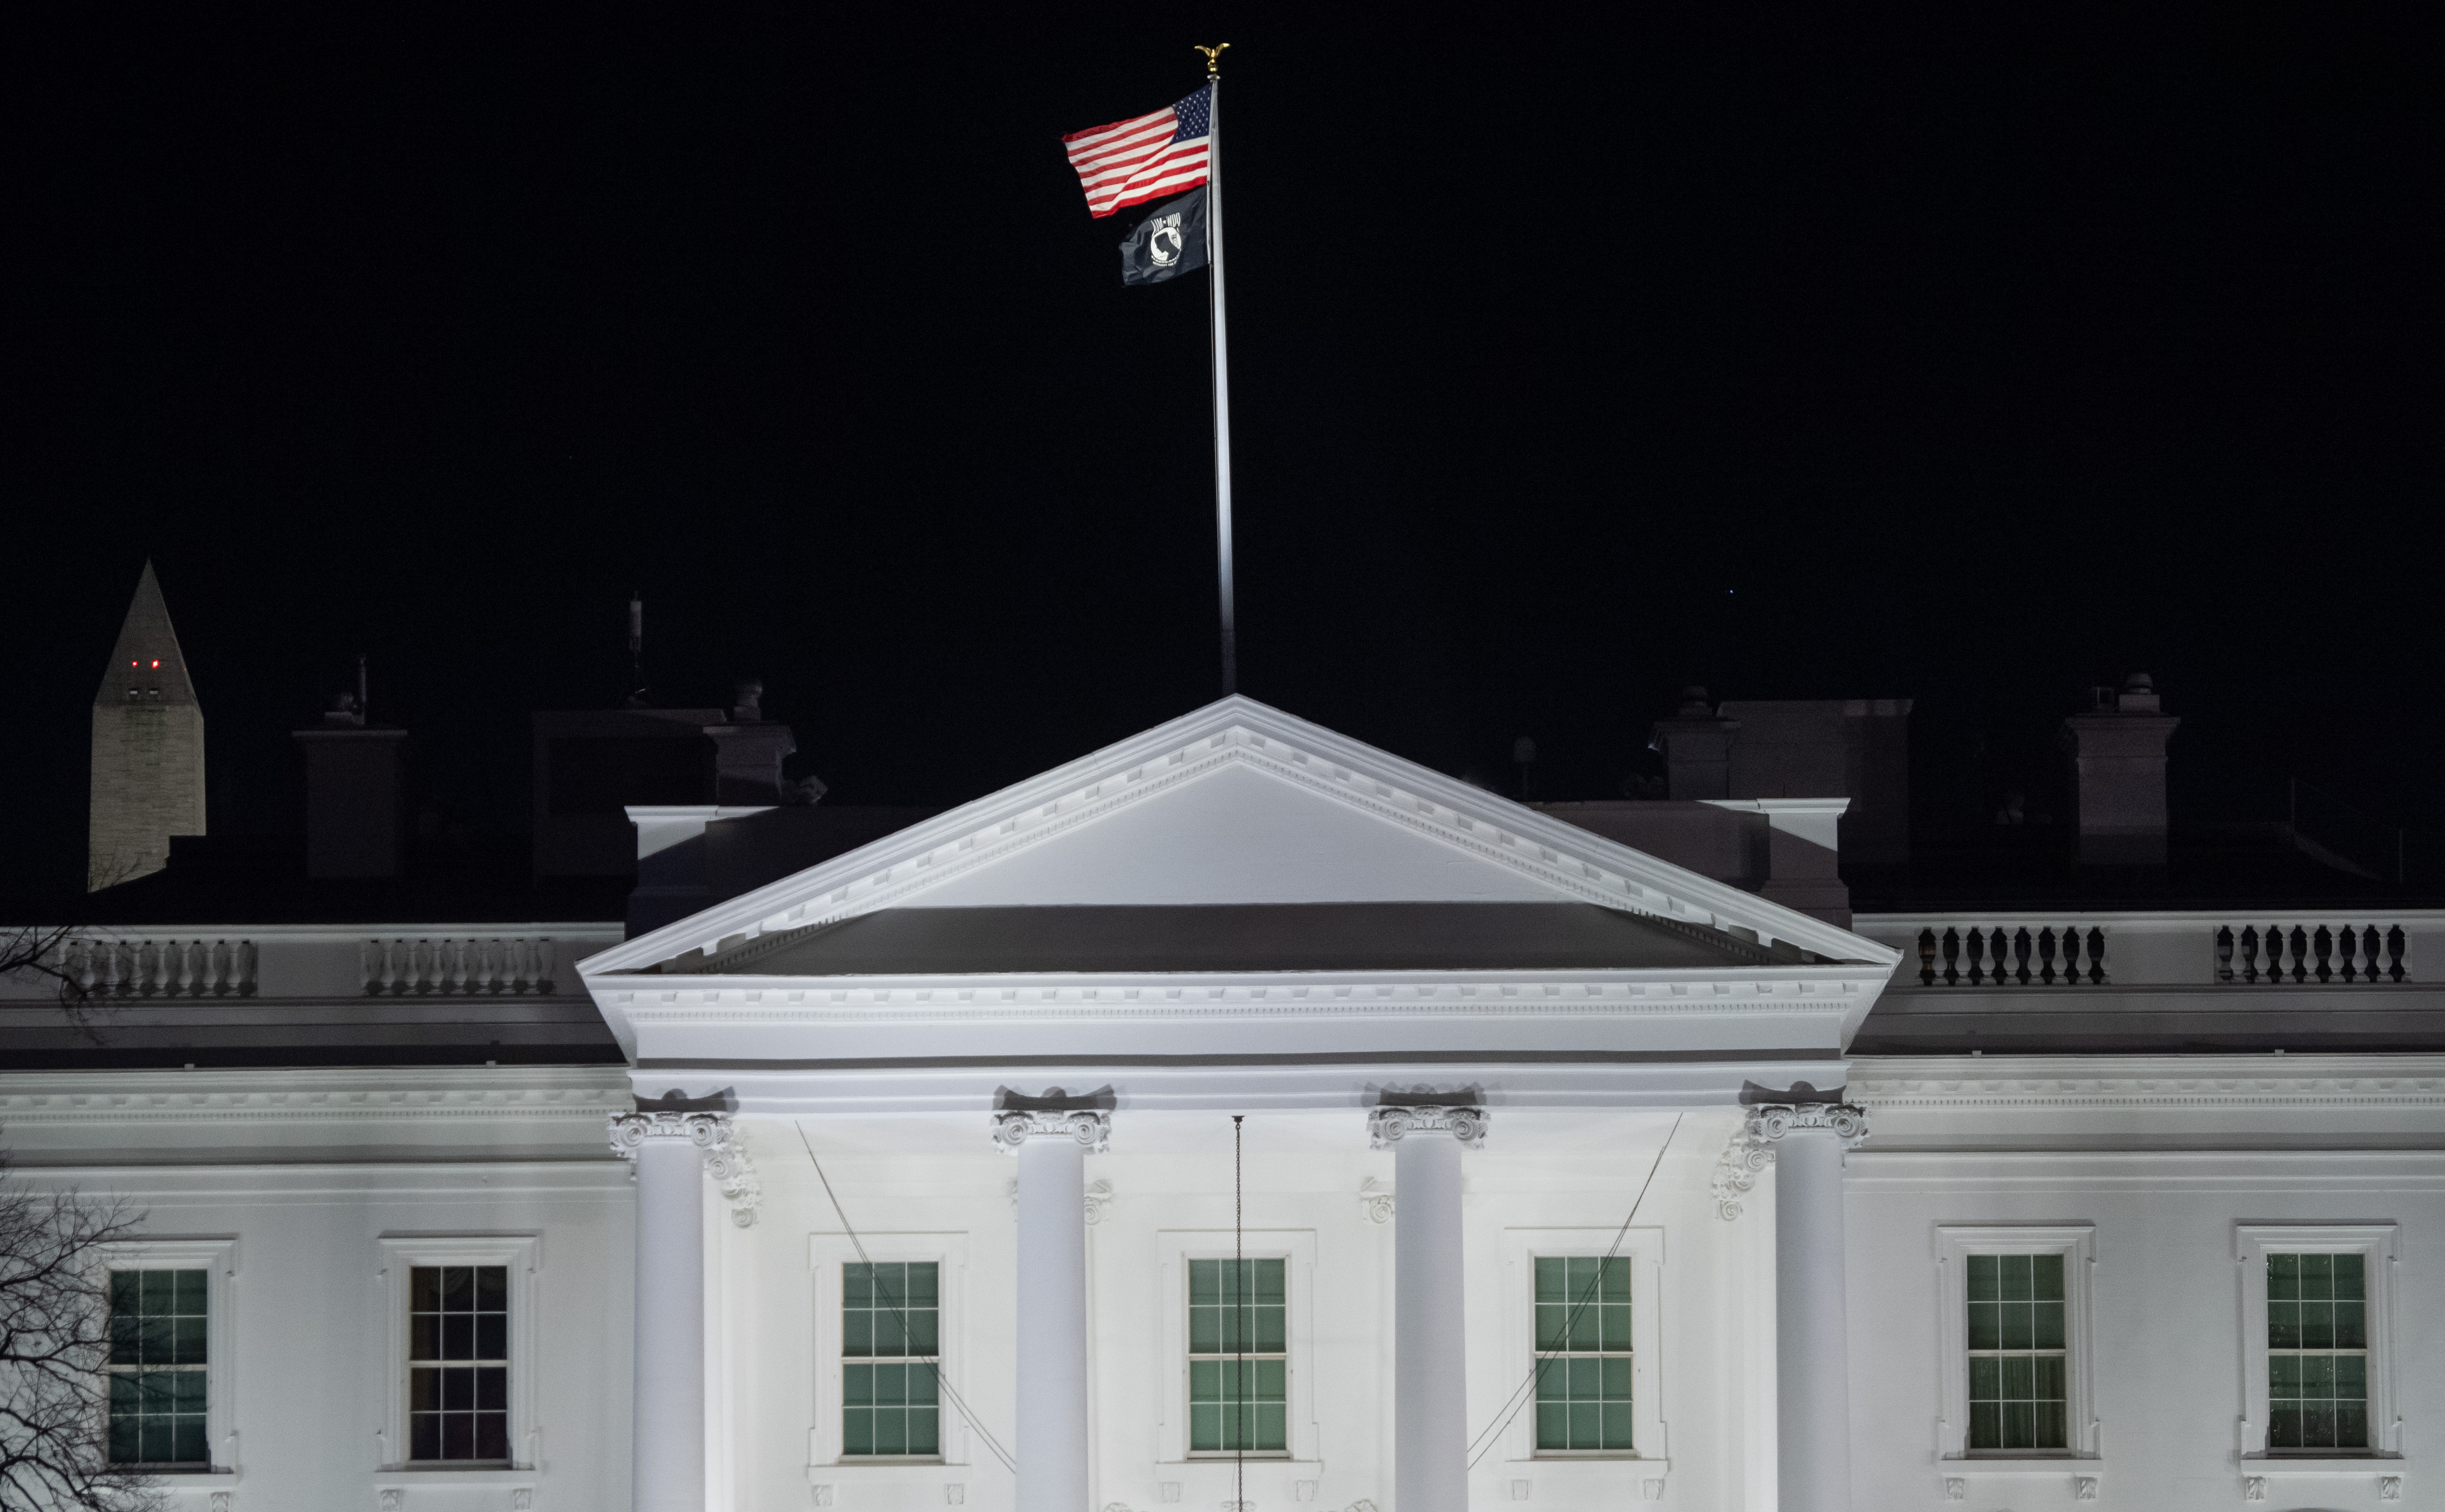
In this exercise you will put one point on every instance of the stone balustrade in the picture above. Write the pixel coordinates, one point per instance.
(462, 967)
(2272, 953)
(2140, 949)
(147, 967)
(2045, 955)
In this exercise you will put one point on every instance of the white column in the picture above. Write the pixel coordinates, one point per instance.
(1429, 1351)
(1812, 1343)
(1052, 1148)
(667, 1439)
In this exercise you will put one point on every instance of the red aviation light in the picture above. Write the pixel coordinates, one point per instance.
(156, 663)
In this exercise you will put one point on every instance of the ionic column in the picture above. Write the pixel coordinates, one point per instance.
(1812, 1345)
(1430, 1353)
(671, 1143)
(1052, 1143)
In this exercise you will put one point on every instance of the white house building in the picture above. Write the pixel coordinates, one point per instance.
(1241, 1116)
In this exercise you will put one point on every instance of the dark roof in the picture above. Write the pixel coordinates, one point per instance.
(247, 879)
(1241, 937)
(2226, 867)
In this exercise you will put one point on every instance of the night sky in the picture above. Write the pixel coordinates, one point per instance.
(1974, 355)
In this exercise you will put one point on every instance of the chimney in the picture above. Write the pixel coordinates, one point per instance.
(2116, 748)
(356, 792)
(1697, 749)
(748, 751)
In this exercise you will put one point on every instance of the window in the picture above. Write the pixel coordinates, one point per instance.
(1584, 1361)
(461, 1343)
(1239, 1358)
(2317, 1353)
(887, 1353)
(159, 1329)
(2016, 1378)
(2316, 1308)
(458, 1363)
(2013, 1315)
(1580, 1317)
(890, 1353)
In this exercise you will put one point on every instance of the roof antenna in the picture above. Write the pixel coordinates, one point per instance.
(360, 685)
(636, 649)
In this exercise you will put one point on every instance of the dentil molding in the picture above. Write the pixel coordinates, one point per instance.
(725, 1157)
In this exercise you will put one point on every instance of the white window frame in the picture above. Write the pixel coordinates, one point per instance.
(2374, 1242)
(401, 1253)
(1296, 1248)
(2077, 1245)
(1643, 1249)
(218, 1260)
(828, 1256)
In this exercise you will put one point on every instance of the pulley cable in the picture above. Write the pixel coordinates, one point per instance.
(881, 1290)
(1483, 1444)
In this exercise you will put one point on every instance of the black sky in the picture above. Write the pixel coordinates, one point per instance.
(1974, 355)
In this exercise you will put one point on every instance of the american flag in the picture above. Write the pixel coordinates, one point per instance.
(1129, 162)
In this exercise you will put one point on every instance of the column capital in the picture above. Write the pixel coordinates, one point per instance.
(1768, 1122)
(629, 1132)
(1391, 1124)
(715, 1133)
(1089, 1127)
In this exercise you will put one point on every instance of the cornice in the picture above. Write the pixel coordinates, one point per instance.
(607, 932)
(1169, 998)
(1568, 861)
(2168, 918)
(86, 1097)
(2169, 1081)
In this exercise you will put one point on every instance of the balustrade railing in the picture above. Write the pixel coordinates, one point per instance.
(2272, 953)
(2012, 954)
(162, 968)
(402, 968)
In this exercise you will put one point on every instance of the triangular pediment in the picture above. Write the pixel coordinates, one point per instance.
(1235, 806)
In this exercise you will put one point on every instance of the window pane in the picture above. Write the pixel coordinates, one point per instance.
(492, 1436)
(2284, 1325)
(2047, 1278)
(891, 1431)
(2316, 1325)
(2349, 1275)
(2049, 1325)
(2351, 1426)
(1985, 1425)
(1549, 1323)
(1985, 1378)
(1553, 1425)
(1986, 1325)
(2283, 1278)
(1983, 1285)
(1549, 1278)
(2317, 1278)
(2014, 1271)
(2351, 1325)
(924, 1430)
(2017, 1332)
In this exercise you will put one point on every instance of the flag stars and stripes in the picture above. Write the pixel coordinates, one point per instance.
(1148, 157)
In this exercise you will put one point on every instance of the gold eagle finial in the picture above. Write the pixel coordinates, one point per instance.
(1213, 58)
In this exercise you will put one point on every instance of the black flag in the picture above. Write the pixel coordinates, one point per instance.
(1167, 243)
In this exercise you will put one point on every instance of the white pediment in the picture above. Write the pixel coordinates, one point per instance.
(1236, 803)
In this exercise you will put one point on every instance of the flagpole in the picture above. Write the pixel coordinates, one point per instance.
(1222, 362)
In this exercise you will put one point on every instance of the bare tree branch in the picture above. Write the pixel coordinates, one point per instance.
(54, 1343)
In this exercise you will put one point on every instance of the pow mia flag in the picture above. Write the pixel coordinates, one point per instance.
(1167, 243)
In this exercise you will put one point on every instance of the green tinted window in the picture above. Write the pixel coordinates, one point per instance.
(2018, 1368)
(890, 1330)
(158, 1368)
(1584, 1362)
(2317, 1353)
(1238, 1369)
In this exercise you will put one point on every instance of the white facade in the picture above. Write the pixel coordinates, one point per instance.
(1794, 1311)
